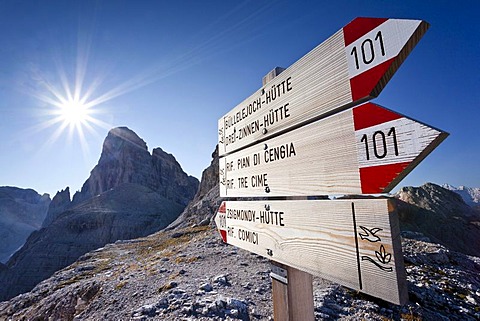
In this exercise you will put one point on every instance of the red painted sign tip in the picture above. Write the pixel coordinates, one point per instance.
(222, 208)
(360, 26)
(223, 233)
(370, 114)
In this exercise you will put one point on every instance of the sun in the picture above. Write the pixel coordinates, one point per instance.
(71, 115)
(74, 112)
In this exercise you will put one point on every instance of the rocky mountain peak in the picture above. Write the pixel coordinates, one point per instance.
(130, 193)
(435, 198)
(121, 140)
(441, 216)
(60, 202)
(125, 159)
(471, 195)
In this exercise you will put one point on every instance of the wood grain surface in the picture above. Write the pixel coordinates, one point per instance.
(347, 153)
(332, 77)
(355, 243)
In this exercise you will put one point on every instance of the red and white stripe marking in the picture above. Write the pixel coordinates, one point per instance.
(350, 67)
(371, 46)
(387, 142)
(221, 221)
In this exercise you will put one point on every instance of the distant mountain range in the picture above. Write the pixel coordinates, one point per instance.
(471, 195)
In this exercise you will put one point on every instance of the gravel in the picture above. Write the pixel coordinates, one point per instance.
(191, 275)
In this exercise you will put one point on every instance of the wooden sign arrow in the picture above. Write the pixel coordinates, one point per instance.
(350, 67)
(355, 243)
(364, 150)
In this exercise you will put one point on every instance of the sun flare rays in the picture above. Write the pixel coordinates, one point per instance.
(74, 93)
(67, 111)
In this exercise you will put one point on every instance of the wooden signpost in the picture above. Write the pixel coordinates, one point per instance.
(348, 68)
(367, 149)
(309, 132)
(355, 243)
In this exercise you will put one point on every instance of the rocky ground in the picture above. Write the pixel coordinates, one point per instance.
(189, 274)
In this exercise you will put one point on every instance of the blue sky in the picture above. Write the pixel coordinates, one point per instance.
(169, 69)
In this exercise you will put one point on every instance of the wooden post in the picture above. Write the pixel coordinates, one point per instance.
(280, 300)
(293, 301)
(300, 295)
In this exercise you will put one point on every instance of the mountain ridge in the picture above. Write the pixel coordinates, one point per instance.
(22, 211)
(130, 193)
(441, 216)
(471, 195)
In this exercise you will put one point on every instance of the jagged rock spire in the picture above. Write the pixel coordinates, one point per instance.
(125, 159)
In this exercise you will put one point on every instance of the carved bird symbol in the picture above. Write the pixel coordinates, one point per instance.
(369, 234)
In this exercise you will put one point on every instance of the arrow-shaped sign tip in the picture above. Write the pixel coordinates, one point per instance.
(390, 146)
(391, 41)
(221, 222)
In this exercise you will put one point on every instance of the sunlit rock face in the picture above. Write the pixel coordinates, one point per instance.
(21, 212)
(471, 195)
(441, 216)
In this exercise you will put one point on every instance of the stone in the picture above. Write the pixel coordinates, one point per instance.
(125, 159)
(146, 310)
(221, 279)
(207, 287)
